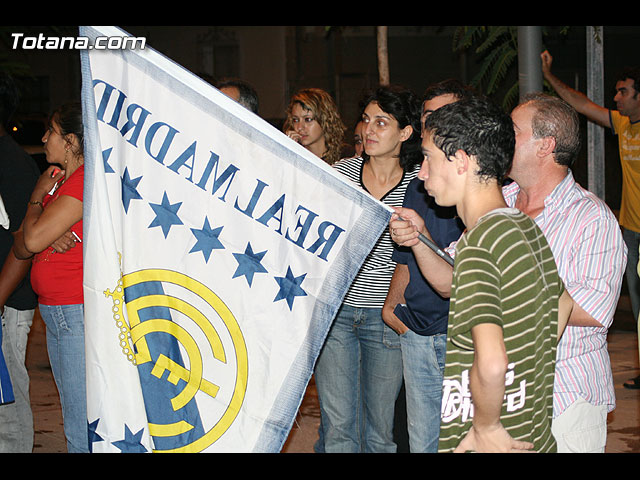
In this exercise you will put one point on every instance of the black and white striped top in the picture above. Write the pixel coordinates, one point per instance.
(371, 284)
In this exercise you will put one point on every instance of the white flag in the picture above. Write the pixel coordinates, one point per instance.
(217, 252)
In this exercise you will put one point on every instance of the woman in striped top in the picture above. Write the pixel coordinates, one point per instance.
(359, 370)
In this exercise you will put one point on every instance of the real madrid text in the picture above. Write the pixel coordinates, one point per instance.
(137, 125)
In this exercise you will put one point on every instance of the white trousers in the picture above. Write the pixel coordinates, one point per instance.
(581, 428)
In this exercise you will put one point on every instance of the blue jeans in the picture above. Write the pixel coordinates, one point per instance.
(358, 376)
(423, 362)
(16, 419)
(65, 344)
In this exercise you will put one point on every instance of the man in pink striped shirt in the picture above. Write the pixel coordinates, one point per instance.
(590, 252)
(587, 244)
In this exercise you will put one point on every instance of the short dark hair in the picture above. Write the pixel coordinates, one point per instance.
(478, 127)
(555, 118)
(248, 95)
(401, 103)
(450, 86)
(9, 98)
(634, 74)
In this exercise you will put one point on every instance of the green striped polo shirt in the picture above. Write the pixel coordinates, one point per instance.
(505, 274)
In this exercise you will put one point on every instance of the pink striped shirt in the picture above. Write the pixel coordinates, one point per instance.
(591, 256)
(587, 243)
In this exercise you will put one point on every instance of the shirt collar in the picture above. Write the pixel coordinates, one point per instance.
(562, 196)
(559, 198)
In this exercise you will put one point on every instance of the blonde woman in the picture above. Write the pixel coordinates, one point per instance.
(314, 122)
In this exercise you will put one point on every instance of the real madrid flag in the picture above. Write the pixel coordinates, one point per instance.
(217, 252)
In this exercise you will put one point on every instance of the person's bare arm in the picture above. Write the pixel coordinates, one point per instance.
(395, 296)
(565, 308)
(65, 243)
(13, 272)
(576, 99)
(405, 233)
(580, 318)
(487, 375)
(43, 227)
(486, 382)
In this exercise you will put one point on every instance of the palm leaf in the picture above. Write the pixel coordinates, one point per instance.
(464, 37)
(504, 60)
(485, 68)
(511, 96)
(494, 33)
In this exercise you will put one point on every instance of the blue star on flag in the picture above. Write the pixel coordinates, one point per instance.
(105, 160)
(166, 215)
(249, 263)
(290, 287)
(129, 192)
(131, 442)
(207, 239)
(93, 435)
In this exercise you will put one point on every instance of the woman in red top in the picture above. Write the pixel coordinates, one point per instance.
(53, 223)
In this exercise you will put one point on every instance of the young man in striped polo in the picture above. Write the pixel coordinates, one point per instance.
(503, 321)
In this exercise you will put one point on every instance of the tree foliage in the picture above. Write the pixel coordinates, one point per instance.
(497, 47)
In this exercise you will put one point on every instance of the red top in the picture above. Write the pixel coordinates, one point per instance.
(57, 277)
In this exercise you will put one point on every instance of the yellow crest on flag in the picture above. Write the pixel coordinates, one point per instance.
(206, 346)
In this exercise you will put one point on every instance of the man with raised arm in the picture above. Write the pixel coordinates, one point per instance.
(625, 123)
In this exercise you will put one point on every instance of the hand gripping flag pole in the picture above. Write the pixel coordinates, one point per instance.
(441, 253)
(429, 243)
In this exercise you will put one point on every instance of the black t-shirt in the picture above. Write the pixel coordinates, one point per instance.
(18, 176)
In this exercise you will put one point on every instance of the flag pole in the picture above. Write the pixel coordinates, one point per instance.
(432, 245)
(441, 253)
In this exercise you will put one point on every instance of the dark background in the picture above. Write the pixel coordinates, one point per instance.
(279, 60)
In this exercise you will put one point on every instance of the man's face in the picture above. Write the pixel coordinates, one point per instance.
(438, 173)
(430, 106)
(525, 142)
(627, 98)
